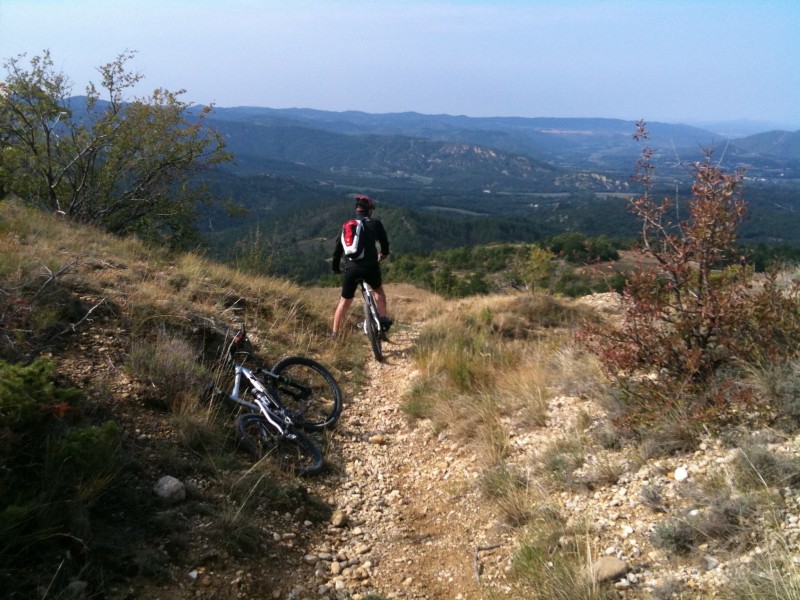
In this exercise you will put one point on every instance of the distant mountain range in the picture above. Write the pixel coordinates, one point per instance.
(489, 153)
(739, 128)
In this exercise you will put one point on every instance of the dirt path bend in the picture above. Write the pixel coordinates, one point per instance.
(409, 519)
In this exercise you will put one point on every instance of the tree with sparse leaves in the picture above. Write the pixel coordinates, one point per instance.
(534, 267)
(693, 307)
(126, 166)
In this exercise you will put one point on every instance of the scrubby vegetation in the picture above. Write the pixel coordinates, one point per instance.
(55, 467)
(97, 333)
(694, 311)
(694, 352)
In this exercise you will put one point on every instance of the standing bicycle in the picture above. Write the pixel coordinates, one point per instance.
(356, 254)
(298, 394)
(372, 324)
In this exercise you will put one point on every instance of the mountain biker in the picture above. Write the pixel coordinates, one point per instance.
(366, 267)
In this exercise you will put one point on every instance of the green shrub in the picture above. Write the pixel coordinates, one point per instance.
(53, 466)
(28, 394)
(87, 452)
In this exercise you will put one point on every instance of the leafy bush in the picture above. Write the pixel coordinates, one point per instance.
(691, 310)
(579, 248)
(125, 165)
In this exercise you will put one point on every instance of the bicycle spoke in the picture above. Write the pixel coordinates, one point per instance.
(293, 451)
(308, 392)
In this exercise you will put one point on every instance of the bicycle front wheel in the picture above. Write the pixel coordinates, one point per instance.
(371, 327)
(308, 392)
(293, 452)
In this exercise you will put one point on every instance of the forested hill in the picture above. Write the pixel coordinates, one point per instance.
(604, 145)
(301, 151)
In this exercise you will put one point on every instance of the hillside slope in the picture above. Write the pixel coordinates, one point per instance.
(454, 502)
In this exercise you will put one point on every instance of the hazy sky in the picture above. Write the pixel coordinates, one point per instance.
(680, 61)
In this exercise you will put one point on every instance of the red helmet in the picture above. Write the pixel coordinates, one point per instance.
(364, 203)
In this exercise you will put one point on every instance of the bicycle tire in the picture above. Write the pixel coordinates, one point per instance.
(295, 453)
(371, 329)
(308, 392)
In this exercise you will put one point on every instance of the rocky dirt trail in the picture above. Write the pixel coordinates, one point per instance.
(408, 519)
(401, 514)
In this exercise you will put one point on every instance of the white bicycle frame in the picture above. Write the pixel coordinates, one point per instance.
(369, 300)
(263, 404)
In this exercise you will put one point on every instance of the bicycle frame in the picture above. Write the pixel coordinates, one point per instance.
(267, 424)
(265, 403)
(369, 300)
(372, 322)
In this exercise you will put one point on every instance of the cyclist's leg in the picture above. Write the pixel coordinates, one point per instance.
(376, 281)
(341, 314)
(348, 293)
(380, 300)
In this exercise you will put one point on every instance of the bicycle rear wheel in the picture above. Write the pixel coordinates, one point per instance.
(294, 452)
(371, 329)
(308, 392)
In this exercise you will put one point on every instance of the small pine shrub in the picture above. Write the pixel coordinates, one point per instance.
(28, 394)
(86, 452)
(55, 467)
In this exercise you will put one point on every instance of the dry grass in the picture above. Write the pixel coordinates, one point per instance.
(732, 510)
(519, 498)
(577, 373)
(526, 388)
(561, 458)
(755, 467)
(605, 469)
(152, 289)
(553, 560)
(779, 386)
(773, 575)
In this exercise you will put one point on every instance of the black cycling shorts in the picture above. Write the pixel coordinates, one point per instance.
(353, 274)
